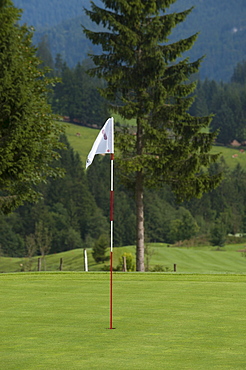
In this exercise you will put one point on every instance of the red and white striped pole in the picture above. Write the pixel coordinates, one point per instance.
(103, 144)
(111, 239)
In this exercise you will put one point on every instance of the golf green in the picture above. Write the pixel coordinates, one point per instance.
(161, 320)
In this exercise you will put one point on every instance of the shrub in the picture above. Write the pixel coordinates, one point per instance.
(130, 266)
(99, 249)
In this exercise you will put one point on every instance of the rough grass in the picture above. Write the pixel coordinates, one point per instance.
(163, 321)
(83, 143)
(229, 155)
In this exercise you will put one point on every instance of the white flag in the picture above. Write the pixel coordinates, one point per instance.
(104, 142)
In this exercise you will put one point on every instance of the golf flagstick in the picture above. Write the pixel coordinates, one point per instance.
(104, 144)
(111, 239)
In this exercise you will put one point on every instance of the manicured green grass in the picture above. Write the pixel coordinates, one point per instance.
(200, 260)
(188, 260)
(163, 321)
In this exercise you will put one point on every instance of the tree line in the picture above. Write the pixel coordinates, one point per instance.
(226, 101)
(74, 211)
(75, 95)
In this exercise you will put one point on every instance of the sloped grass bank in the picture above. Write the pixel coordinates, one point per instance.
(189, 260)
(163, 321)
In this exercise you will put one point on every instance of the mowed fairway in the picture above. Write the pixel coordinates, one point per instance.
(162, 321)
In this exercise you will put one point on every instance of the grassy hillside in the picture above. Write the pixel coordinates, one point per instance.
(60, 320)
(81, 139)
(232, 156)
(199, 260)
(82, 144)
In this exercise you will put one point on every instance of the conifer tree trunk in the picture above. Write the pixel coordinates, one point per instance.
(139, 203)
(140, 222)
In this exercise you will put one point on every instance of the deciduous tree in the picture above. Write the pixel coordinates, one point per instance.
(29, 134)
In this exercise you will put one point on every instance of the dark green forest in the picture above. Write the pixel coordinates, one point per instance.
(77, 95)
(227, 101)
(74, 211)
(221, 25)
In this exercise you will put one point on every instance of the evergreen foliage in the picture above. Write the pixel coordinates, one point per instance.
(239, 74)
(100, 247)
(28, 133)
(182, 228)
(227, 102)
(218, 234)
(73, 210)
(44, 54)
(11, 243)
(77, 95)
(144, 71)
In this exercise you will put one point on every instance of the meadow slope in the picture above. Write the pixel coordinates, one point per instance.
(191, 260)
(82, 139)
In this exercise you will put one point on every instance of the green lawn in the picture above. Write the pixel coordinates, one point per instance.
(163, 321)
(200, 259)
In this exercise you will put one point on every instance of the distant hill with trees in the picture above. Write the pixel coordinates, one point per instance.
(221, 23)
(74, 212)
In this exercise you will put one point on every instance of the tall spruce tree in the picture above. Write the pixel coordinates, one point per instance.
(28, 133)
(148, 80)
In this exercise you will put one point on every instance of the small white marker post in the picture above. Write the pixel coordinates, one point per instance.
(85, 261)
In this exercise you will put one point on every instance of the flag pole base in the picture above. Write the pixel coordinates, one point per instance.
(111, 291)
